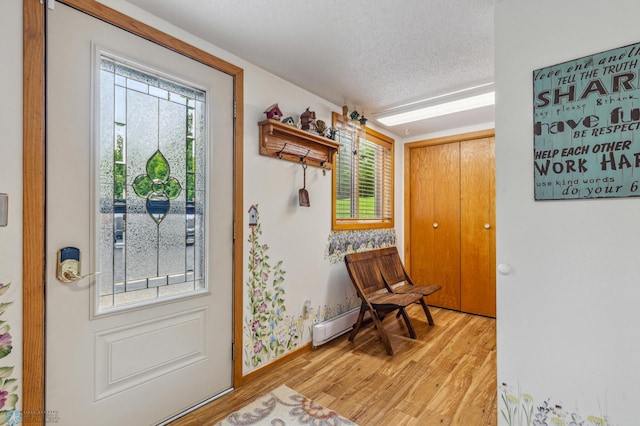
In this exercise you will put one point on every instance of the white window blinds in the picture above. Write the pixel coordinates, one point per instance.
(363, 178)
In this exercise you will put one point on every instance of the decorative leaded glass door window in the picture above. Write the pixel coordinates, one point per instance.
(151, 186)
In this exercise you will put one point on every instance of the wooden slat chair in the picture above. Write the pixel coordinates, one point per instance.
(398, 280)
(375, 296)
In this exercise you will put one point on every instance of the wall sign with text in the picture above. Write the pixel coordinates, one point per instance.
(585, 122)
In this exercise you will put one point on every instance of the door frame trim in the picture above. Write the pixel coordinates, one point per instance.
(34, 185)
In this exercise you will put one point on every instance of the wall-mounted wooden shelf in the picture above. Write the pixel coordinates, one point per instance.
(286, 142)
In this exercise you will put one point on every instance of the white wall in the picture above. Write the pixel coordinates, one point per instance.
(296, 235)
(568, 312)
(11, 175)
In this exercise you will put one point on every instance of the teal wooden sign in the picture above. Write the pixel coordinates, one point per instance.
(585, 121)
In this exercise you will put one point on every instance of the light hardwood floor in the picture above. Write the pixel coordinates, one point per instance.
(447, 376)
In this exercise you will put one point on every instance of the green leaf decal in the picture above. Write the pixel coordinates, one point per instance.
(4, 351)
(8, 384)
(4, 306)
(5, 372)
(12, 400)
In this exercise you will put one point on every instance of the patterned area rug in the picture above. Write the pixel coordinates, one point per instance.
(284, 406)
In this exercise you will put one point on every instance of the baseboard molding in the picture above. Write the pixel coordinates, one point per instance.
(249, 377)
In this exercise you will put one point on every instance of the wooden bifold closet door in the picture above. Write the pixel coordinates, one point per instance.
(435, 221)
(477, 227)
(450, 199)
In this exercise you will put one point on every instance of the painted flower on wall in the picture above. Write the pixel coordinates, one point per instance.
(5, 344)
(327, 312)
(521, 409)
(8, 384)
(344, 242)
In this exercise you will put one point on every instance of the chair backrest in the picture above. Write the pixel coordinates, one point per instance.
(391, 266)
(364, 272)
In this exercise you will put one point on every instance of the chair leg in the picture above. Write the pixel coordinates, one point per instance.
(356, 326)
(412, 332)
(383, 333)
(427, 312)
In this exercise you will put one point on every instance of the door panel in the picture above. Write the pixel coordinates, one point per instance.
(435, 218)
(105, 366)
(478, 279)
(452, 222)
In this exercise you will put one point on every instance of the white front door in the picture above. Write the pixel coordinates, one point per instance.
(140, 182)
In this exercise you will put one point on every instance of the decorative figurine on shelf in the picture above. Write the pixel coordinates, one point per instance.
(363, 120)
(332, 132)
(308, 120)
(273, 112)
(290, 121)
(321, 127)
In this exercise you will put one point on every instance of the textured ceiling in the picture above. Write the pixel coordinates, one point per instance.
(374, 55)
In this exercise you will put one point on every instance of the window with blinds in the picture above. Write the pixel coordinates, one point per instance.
(362, 177)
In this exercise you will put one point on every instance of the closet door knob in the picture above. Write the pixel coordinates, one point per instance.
(435, 224)
(487, 226)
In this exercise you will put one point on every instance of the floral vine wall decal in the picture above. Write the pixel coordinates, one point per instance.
(341, 243)
(8, 383)
(522, 410)
(268, 332)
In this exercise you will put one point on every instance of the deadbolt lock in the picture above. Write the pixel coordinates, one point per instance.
(68, 268)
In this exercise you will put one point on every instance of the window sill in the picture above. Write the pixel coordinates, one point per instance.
(345, 225)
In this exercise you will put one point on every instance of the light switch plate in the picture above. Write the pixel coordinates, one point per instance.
(4, 209)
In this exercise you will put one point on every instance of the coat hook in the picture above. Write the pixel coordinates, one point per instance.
(302, 159)
(279, 153)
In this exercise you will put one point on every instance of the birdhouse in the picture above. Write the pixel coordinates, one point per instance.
(253, 216)
(290, 121)
(273, 112)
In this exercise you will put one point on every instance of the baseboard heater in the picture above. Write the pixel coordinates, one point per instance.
(334, 327)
